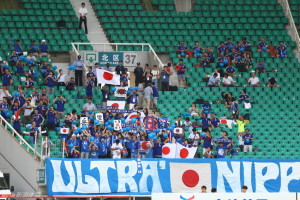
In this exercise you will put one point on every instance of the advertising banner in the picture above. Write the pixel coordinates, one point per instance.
(96, 177)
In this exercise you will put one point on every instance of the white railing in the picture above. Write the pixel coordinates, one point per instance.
(22, 141)
(76, 48)
(288, 13)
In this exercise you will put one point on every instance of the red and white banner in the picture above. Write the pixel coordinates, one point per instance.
(117, 125)
(169, 150)
(131, 116)
(191, 177)
(144, 145)
(117, 104)
(121, 91)
(184, 152)
(107, 77)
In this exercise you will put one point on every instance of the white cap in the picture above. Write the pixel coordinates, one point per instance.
(43, 40)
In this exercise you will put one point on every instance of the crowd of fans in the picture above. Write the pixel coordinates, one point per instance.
(95, 139)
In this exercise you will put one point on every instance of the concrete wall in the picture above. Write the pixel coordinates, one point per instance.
(18, 163)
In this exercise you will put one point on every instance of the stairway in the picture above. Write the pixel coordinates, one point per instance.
(95, 31)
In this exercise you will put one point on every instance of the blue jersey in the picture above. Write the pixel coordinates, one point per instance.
(215, 121)
(20, 69)
(129, 143)
(41, 109)
(182, 69)
(6, 79)
(29, 83)
(89, 88)
(247, 141)
(165, 77)
(244, 96)
(182, 47)
(155, 91)
(94, 154)
(197, 49)
(230, 70)
(90, 74)
(44, 48)
(17, 48)
(124, 78)
(221, 151)
(74, 142)
(60, 105)
(262, 44)
(38, 119)
(281, 48)
(206, 108)
(105, 95)
(51, 116)
(222, 49)
(205, 121)
(84, 145)
(33, 48)
(51, 82)
(207, 142)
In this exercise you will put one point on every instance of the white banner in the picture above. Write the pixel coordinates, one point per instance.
(99, 117)
(84, 121)
(121, 91)
(117, 125)
(223, 196)
(178, 131)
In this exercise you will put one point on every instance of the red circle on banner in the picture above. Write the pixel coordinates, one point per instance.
(144, 145)
(133, 116)
(108, 76)
(64, 130)
(115, 105)
(190, 178)
(184, 153)
(165, 150)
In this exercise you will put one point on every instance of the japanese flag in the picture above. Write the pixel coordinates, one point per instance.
(144, 145)
(190, 177)
(169, 150)
(117, 104)
(178, 131)
(184, 152)
(131, 116)
(106, 77)
(228, 122)
(64, 130)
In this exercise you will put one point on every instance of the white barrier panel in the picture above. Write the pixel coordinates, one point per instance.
(223, 196)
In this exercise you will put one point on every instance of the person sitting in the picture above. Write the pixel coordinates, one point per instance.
(213, 81)
(272, 82)
(281, 50)
(194, 110)
(253, 81)
(261, 67)
(244, 98)
(230, 71)
(228, 81)
(71, 84)
(262, 46)
(182, 50)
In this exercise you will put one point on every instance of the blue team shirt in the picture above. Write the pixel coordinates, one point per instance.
(133, 98)
(222, 48)
(6, 79)
(205, 121)
(51, 117)
(281, 48)
(84, 145)
(93, 154)
(17, 48)
(182, 67)
(247, 135)
(206, 108)
(155, 91)
(20, 69)
(51, 83)
(244, 96)
(102, 146)
(90, 74)
(37, 119)
(124, 78)
(221, 151)
(262, 44)
(230, 70)
(29, 83)
(44, 48)
(207, 142)
(60, 105)
(32, 49)
(215, 121)
(182, 47)
(74, 142)
(105, 95)
(157, 149)
(165, 77)
(42, 109)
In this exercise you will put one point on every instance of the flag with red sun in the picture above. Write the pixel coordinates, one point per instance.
(106, 77)
(190, 178)
(228, 122)
(184, 152)
(64, 131)
(117, 104)
(131, 116)
(169, 150)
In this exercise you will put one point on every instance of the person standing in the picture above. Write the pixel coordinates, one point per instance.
(247, 138)
(83, 13)
(147, 95)
(61, 79)
(78, 70)
(120, 68)
(165, 79)
(139, 74)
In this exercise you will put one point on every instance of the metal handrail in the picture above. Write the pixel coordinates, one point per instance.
(22, 140)
(75, 47)
(289, 15)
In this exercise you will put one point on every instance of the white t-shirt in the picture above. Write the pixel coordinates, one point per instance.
(82, 10)
(27, 110)
(193, 136)
(253, 80)
(62, 78)
(3, 94)
(116, 153)
(155, 74)
(228, 80)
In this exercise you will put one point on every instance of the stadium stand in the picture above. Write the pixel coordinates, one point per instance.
(274, 114)
(38, 21)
